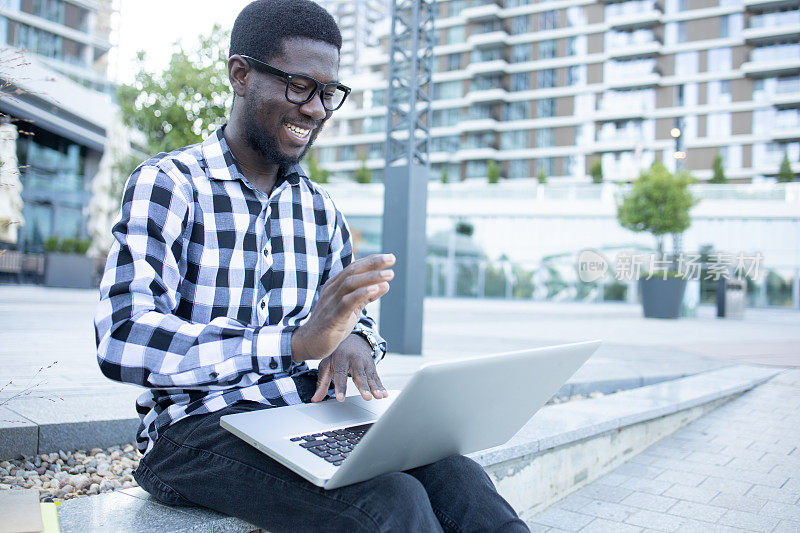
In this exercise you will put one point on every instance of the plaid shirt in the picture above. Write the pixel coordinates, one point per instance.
(206, 280)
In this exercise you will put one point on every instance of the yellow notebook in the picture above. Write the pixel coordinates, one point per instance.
(50, 518)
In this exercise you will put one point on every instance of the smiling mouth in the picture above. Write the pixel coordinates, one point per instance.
(297, 132)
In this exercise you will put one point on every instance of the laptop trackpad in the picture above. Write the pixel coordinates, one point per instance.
(333, 412)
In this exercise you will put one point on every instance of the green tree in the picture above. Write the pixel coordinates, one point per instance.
(785, 174)
(541, 175)
(659, 203)
(596, 171)
(493, 172)
(320, 175)
(362, 173)
(186, 101)
(719, 171)
(443, 175)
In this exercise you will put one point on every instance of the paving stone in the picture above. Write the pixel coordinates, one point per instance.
(650, 502)
(697, 511)
(657, 521)
(574, 502)
(781, 510)
(598, 525)
(614, 479)
(692, 494)
(710, 458)
(773, 494)
(728, 486)
(637, 470)
(697, 526)
(747, 504)
(605, 493)
(18, 435)
(787, 526)
(566, 520)
(608, 510)
(682, 478)
(652, 486)
(750, 521)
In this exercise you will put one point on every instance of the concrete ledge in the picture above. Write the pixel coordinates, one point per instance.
(562, 448)
(568, 445)
(134, 510)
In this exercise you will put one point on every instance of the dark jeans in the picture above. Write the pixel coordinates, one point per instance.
(196, 462)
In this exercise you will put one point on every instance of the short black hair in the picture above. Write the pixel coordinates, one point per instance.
(262, 26)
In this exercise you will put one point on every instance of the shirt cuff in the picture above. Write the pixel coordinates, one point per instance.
(272, 351)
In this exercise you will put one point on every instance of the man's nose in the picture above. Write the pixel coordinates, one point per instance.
(314, 108)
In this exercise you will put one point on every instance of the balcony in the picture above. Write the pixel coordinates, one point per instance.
(772, 28)
(762, 5)
(773, 61)
(491, 38)
(478, 124)
(483, 12)
(496, 94)
(633, 50)
(620, 112)
(487, 67)
(632, 15)
(477, 154)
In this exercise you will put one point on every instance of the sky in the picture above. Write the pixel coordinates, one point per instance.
(153, 26)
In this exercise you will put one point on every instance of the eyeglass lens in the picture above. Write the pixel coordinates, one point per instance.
(301, 89)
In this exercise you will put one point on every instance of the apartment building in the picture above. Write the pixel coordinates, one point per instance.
(549, 87)
(357, 21)
(58, 97)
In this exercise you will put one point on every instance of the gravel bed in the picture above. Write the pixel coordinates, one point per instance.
(66, 475)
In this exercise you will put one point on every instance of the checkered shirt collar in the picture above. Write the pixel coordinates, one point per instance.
(221, 165)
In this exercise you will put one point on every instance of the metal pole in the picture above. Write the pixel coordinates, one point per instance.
(407, 170)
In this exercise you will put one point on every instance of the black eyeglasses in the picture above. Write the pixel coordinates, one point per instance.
(301, 88)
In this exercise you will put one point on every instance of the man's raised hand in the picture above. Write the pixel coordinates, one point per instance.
(339, 306)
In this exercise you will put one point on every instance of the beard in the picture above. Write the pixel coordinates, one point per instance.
(267, 145)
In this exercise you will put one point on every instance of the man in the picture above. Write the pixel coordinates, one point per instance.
(229, 270)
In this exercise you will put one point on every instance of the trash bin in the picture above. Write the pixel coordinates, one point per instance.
(731, 298)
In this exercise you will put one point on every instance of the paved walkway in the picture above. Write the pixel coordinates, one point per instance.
(735, 469)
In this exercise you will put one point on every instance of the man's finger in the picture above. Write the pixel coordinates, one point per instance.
(360, 380)
(360, 298)
(375, 384)
(340, 379)
(323, 381)
(365, 264)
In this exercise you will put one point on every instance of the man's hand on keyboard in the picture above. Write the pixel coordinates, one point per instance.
(339, 306)
(352, 357)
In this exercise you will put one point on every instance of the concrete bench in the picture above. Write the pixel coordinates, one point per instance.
(561, 449)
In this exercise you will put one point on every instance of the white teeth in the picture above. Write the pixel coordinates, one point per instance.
(300, 132)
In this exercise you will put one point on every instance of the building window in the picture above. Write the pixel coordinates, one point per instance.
(724, 26)
(572, 46)
(476, 169)
(446, 90)
(480, 140)
(456, 34)
(521, 52)
(446, 117)
(682, 32)
(520, 81)
(347, 153)
(448, 143)
(547, 49)
(518, 168)
(547, 78)
(548, 20)
(454, 62)
(545, 163)
(327, 154)
(520, 24)
(456, 6)
(679, 95)
(375, 151)
(480, 111)
(546, 107)
(544, 138)
(574, 75)
(514, 140)
(487, 82)
(516, 110)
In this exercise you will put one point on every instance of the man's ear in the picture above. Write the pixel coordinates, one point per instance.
(238, 70)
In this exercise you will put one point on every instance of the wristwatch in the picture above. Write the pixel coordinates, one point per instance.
(373, 342)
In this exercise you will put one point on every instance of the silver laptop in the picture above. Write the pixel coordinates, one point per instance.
(448, 407)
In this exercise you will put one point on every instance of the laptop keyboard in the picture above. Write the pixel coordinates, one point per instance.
(333, 446)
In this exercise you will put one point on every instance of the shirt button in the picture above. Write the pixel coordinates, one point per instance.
(273, 364)
(213, 375)
(263, 305)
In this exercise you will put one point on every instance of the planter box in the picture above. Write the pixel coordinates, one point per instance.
(662, 298)
(69, 270)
